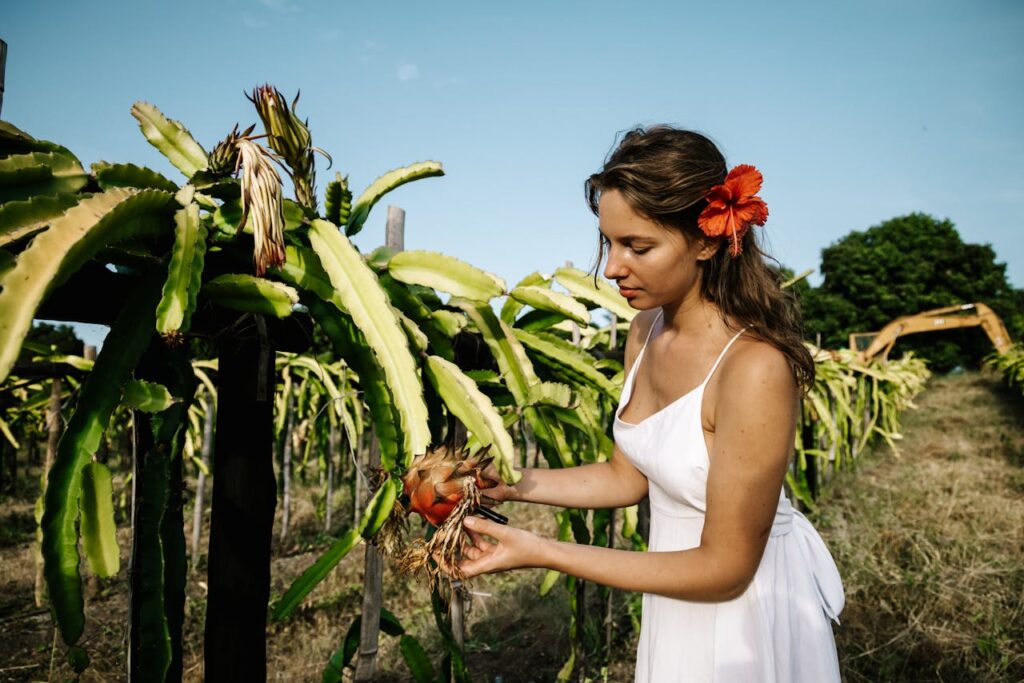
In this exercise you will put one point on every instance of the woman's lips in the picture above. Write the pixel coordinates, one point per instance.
(628, 292)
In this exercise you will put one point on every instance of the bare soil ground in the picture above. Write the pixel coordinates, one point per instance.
(930, 546)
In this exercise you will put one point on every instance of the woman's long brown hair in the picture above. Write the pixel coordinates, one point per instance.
(664, 174)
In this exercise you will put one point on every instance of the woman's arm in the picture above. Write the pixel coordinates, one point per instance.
(755, 417)
(616, 483)
(611, 484)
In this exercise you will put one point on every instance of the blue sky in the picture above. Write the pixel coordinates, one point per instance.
(855, 112)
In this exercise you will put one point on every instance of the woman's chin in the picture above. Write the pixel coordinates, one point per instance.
(641, 303)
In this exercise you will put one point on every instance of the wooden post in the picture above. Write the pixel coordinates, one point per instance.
(373, 565)
(207, 450)
(609, 610)
(394, 232)
(811, 471)
(333, 443)
(373, 584)
(579, 642)
(833, 449)
(242, 514)
(286, 465)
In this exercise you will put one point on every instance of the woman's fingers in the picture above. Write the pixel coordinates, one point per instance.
(469, 569)
(494, 490)
(479, 541)
(475, 561)
(511, 548)
(491, 473)
(481, 556)
(485, 526)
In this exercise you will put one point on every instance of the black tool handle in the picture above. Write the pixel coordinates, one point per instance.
(491, 515)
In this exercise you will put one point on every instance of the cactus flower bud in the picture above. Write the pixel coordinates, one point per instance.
(224, 157)
(289, 137)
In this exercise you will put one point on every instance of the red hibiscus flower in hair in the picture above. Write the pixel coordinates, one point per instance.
(734, 206)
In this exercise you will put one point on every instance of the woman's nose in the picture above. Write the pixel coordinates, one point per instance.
(613, 268)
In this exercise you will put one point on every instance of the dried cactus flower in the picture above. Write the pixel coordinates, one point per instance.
(261, 199)
(289, 137)
(390, 539)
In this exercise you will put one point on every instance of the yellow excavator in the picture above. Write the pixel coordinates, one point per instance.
(869, 345)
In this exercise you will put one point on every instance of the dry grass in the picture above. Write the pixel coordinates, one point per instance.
(930, 545)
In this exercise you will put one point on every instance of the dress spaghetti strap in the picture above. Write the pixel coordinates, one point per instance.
(721, 356)
(651, 329)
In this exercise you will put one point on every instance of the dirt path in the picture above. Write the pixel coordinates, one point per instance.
(931, 544)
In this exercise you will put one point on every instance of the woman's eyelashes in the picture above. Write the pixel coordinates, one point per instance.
(626, 243)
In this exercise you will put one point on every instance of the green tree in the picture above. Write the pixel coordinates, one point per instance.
(60, 338)
(906, 265)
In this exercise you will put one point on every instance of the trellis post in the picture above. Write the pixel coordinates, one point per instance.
(242, 511)
(373, 565)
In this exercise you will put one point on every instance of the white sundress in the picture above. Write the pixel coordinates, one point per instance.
(778, 630)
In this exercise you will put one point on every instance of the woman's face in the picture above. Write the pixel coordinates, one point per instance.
(652, 265)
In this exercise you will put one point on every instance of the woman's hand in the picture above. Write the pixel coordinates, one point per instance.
(513, 549)
(500, 491)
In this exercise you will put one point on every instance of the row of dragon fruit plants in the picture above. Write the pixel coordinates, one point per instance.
(225, 254)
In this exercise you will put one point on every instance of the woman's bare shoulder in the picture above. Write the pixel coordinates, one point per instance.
(754, 365)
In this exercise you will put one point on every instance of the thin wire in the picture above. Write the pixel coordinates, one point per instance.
(323, 373)
(351, 450)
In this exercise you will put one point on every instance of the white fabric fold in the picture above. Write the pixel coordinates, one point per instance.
(823, 568)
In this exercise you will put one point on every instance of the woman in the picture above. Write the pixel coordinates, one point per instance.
(737, 585)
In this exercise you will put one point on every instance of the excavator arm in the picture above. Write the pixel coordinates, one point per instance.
(872, 344)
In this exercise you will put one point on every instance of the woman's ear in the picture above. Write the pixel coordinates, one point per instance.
(709, 246)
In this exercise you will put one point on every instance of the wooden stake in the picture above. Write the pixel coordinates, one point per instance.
(332, 448)
(373, 583)
(373, 564)
(242, 513)
(579, 642)
(286, 465)
(197, 513)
